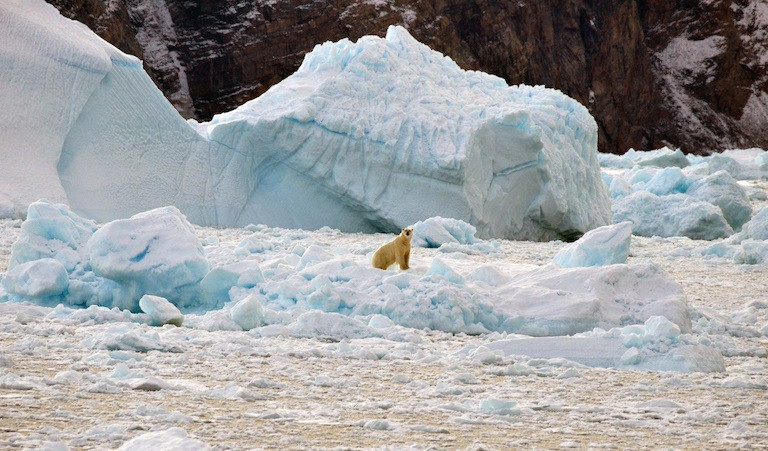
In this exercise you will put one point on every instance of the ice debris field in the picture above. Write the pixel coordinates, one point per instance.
(205, 337)
(134, 324)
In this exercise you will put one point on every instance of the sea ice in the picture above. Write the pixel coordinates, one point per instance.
(607, 245)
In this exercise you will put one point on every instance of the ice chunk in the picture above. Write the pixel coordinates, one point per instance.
(156, 252)
(172, 439)
(664, 157)
(313, 255)
(620, 188)
(160, 311)
(217, 283)
(607, 245)
(724, 191)
(52, 231)
(755, 229)
(499, 407)
(660, 327)
(625, 161)
(248, 313)
(436, 231)
(668, 181)
(440, 268)
(380, 322)
(37, 279)
(673, 215)
(320, 324)
(751, 253)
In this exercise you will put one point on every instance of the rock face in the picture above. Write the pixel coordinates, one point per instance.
(690, 74)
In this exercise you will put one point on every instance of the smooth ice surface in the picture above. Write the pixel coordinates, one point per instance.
(607, 245)
(366, 136)
(160, 311)
(656, 345)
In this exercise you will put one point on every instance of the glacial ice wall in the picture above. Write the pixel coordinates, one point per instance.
(366, 136)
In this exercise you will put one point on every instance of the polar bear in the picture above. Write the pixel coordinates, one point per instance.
(396, 251)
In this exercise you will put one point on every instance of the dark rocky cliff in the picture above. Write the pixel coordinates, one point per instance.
(689, 73)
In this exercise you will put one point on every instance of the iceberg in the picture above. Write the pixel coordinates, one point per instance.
(366, 136)
(395, 133)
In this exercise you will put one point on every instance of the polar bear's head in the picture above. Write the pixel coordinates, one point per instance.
(407, 233)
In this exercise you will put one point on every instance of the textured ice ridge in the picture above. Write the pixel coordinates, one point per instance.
(365, 136)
